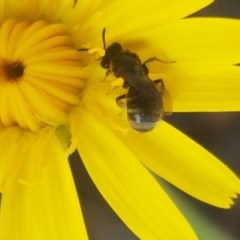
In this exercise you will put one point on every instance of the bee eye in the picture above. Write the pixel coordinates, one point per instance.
(105, 65)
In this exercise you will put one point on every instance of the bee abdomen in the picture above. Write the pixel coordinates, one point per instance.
(142, 121)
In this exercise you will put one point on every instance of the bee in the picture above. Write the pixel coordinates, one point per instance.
(144, 98)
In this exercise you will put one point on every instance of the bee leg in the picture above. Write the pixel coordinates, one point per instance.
(144, 65)
(160, 84)
(145, 68)
(157, 81)
(119, 100)
(108, 72)
(82, 49)
(156, 59)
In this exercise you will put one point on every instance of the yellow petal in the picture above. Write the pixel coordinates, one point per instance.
(216, 90)
(2, 4)
(194, 44)
(9, 163)
(13, 107)
(35, 9)
(44, 105)
(184, 163)
(145, 15)
(41, 201)
(126, 185)
(140, 17)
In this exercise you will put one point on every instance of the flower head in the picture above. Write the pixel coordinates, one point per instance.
(55, 99)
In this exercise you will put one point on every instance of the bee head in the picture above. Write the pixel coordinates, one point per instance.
(110, 53)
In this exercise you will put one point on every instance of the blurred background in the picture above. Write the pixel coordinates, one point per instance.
(217, 132)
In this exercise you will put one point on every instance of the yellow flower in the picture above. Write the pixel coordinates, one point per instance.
(55, 99)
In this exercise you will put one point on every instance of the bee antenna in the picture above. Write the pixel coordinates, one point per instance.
(103, 38)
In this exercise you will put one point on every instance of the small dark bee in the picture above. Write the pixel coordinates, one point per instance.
(144, 98)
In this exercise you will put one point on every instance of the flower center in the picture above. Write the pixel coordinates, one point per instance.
(13, 71)
(41, 77)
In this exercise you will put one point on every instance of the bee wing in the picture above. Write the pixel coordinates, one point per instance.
(167, 102)
(166, 98)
